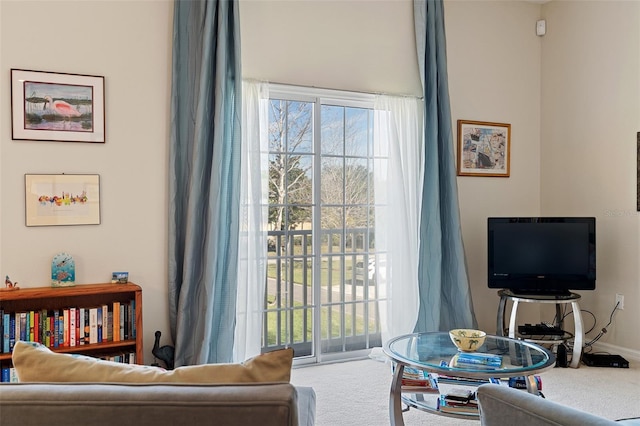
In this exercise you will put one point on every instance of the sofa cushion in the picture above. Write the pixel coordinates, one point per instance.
(36, 363)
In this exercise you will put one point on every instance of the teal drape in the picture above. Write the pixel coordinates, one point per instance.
(204, 176)
(445, 296)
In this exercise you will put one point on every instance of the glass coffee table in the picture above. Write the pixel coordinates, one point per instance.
(435, 353)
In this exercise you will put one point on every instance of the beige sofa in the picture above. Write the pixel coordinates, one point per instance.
(88, 404)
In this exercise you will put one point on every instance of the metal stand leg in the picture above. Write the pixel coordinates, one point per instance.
(578, 335)
(395, 398)
(500, 319)
(512, 320)
(532, 385)
(559, 317)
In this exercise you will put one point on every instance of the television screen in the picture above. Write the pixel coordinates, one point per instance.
(542, 254)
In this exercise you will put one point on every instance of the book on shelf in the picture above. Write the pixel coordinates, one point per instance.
(32, 326)
(87, 327)
(61, 329)
(76, 331)
(105, 323)
(466, 380)
(93, 325)
(72, 327)
(22, 327)
(80, 326)
(99, 327)
(55, 328)
(416, 380)
(47, 331)
(459, 395)
(109, 325)
(123, 318)
(12, 332)
(520, 382)
(65, 327)
(116, 321)
(447, 405)
(132, 307)
(6, 333)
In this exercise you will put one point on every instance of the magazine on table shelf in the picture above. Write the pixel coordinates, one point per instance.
(418, 381)
(476, 360)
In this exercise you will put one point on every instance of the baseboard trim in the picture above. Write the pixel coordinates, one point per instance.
(626, 353)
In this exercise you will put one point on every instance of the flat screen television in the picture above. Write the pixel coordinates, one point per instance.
(542, 255)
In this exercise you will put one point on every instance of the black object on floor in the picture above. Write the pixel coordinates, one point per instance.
(163, 353)
(605, 360)
(561, 356)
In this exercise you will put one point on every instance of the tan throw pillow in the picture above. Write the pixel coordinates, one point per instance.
(36, 363)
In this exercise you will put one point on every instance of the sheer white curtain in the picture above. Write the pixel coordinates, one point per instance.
(252, 265)
(398, 137)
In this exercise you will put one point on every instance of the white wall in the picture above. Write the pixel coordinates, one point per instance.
(364, 46)
(129, 44)
(493, 58)
(590, 116)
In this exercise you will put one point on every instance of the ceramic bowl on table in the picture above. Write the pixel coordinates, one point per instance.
(467, 340)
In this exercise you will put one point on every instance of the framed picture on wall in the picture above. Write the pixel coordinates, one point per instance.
(47, 106)
(484, 148)
(62, 200)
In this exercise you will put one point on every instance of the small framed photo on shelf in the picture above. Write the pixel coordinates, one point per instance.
(120, 277)
(63, 107)
(484, 148)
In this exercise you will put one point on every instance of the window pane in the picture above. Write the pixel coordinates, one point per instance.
(298, 217)
(290, 126)
(277, 173)
(332, 181)
(358, 126)
(277, 123)
(356, 181)
(299, 179)
(299, 127)
(332, 218)
(332, 130)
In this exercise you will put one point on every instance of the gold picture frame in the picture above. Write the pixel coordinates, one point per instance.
(484, 148)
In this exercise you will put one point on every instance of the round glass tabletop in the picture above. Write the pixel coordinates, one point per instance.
(436, 352)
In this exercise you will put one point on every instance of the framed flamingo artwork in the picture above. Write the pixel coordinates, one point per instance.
(48, 106)
(52, 200)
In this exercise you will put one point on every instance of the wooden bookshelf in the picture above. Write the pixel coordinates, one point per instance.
(79, 296)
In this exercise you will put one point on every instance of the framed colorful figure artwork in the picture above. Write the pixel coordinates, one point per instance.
(62, 200)
(484, 148)
(48, 106)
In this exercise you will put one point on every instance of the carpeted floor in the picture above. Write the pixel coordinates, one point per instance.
(357, 392)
